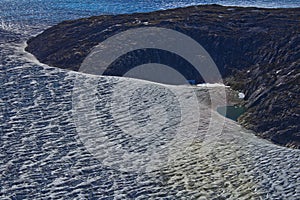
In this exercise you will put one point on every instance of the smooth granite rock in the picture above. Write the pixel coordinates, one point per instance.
(256, 50)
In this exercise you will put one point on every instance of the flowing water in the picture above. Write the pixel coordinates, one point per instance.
(58, 140)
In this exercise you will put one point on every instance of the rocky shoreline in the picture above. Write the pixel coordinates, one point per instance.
(256, 50)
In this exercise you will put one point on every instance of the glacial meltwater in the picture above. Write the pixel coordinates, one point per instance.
(231, 112)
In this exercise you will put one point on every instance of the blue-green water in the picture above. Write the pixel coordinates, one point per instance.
(231, 112)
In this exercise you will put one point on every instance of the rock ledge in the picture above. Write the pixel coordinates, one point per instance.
(256, 50)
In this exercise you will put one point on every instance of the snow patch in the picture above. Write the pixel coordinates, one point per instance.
(241, 95)
(210, 85)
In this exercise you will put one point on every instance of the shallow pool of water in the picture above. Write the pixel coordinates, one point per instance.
(231, 112)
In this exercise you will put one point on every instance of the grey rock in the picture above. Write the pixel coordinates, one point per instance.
(256, 50)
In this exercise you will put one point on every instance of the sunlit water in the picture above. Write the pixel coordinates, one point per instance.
(42, 154)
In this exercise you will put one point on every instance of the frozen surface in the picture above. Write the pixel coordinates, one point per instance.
(46, 149)
(43, 152)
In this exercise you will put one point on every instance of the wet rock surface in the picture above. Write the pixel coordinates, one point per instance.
(256, 50)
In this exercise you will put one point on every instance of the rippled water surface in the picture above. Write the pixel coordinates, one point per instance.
(57, 10)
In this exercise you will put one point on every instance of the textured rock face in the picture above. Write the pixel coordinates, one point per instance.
(256, 50)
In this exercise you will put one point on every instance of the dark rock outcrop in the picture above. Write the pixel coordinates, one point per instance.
(256, 50)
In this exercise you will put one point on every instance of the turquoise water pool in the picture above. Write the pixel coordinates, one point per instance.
(231, 112)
